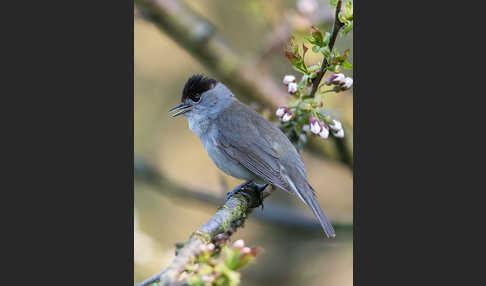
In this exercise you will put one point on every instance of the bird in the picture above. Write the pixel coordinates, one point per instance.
(243, 144)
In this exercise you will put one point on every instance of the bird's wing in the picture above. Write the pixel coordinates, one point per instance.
(250, 143)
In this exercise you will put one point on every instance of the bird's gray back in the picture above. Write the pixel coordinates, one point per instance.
(259, 145)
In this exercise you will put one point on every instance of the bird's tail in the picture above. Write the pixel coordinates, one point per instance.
(311, 201)
(308, 196)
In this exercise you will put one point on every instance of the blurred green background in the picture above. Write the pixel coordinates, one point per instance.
(292, 256)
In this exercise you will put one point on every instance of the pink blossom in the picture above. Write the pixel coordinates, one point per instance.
(246, 250)
(314, 125)
(339, 134)
(292, 88)
(336, 125)
(324, 132)
(239, 243)
(348, 82)
(339, 78)
(288, 79)
(288, 116)
(281, 111)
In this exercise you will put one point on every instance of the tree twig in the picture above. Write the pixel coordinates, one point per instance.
(197, 35)
(151, 280)
(335, 30)
(217, 229)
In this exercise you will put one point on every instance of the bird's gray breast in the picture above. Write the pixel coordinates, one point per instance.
(222, 161)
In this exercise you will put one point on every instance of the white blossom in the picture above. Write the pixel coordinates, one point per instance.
(314, 125)
(348, 82)
(288, 116)
(339, 133)
(324, 133)
(246, 250)
(239, 243)
(281, 111)
(288, 79)
(336, 125)
(292, 87)
(339, 78)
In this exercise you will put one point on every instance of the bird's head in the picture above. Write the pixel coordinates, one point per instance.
(199, 94)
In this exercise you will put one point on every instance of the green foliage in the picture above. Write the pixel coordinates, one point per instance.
(303, 105)
(292, 53)
(219, 266)
(347, 17)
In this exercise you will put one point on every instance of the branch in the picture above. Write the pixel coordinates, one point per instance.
(335, 30)
(151, 280)
(199, 37)
(217, 229)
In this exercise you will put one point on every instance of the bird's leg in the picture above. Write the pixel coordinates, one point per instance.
(260, 189)
(237, 189)
(252, 186)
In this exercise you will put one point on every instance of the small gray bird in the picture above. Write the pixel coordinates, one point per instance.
(243, 144)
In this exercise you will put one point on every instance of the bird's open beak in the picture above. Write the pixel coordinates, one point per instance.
(183, 109)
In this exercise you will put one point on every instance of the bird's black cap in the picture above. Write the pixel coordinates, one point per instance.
(196, 85)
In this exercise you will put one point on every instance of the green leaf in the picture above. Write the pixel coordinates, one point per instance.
(342, 18)
(347, 28)
(316, 35)
(325, 51)
(347, 65)
(327, 39)
(333, 3)
(349, 8)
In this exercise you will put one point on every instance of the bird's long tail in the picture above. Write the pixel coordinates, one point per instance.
(307, 195)
(311, 201)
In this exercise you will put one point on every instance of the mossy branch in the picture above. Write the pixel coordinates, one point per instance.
(218, 229)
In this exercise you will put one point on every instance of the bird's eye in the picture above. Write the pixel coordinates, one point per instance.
(196, 97)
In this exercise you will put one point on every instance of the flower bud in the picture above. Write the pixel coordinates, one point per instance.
(330, 79)
(292, 88)
(324, 132)
(288, 79)
(348, 82)
(314, 125)
(246, 250)
(239, 243)
(281, 111)
(339, 133)
(336, 125)
(288, 116)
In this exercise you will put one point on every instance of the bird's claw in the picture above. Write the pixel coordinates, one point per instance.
(241, 190)
(237, 190)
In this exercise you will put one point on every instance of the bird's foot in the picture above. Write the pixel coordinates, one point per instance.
(238, 189)
(245, 189)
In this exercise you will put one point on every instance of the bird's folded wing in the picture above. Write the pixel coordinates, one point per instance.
(248, 143)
